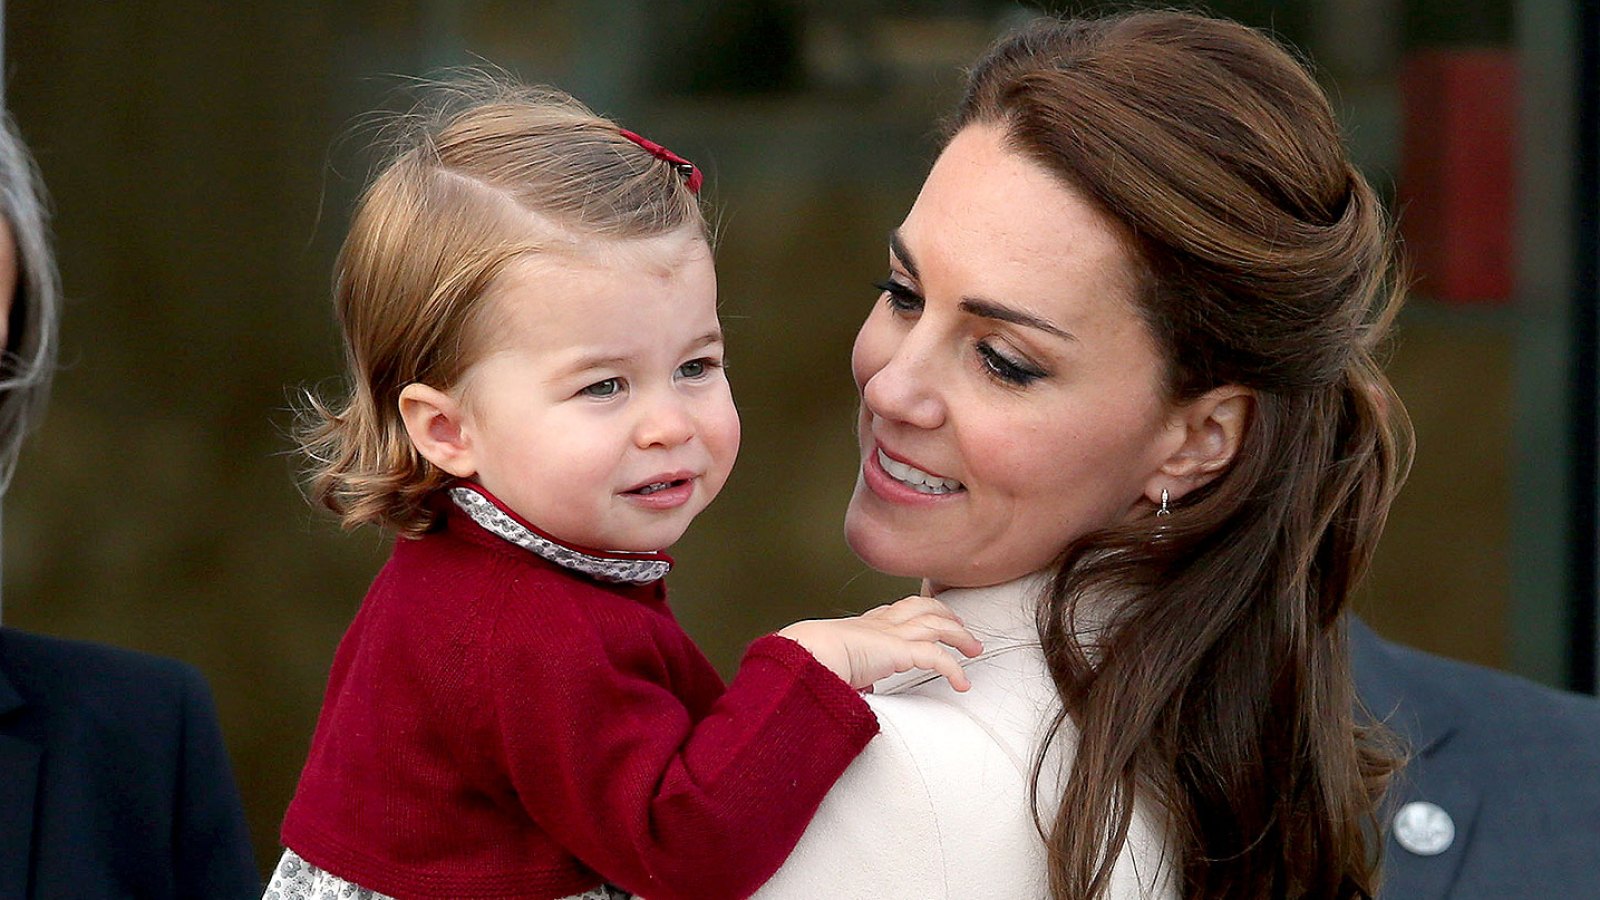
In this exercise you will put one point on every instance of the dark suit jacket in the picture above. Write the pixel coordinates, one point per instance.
(113, 778)
(1516, 766)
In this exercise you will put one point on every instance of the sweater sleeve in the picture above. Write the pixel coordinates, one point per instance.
(608, 760)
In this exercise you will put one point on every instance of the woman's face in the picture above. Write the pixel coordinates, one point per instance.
(1010, 393)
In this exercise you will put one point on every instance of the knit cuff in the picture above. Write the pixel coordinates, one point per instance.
(833, 694)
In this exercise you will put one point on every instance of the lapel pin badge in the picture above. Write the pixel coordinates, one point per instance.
(1424, 828)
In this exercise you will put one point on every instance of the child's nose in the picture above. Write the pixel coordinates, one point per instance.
(664, 422)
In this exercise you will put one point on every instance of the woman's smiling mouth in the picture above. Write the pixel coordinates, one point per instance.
(916, 479)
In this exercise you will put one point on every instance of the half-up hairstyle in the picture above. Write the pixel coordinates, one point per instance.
(1220, 690)
(489, 173)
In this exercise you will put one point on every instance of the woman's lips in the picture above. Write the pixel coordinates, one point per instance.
(901, 482)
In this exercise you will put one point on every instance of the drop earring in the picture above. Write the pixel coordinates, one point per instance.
(1165, 510)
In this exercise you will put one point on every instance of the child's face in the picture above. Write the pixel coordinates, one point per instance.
(601, 413)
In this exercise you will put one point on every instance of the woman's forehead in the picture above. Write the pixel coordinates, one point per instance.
(990, 216)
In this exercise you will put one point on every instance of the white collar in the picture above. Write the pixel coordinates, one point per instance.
(1005, 618)
(1001, 612)
(1002, 616)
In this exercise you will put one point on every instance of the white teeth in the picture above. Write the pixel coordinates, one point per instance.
(915, 478)
(652, 488)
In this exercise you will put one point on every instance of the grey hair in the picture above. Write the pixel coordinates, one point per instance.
(30, 353)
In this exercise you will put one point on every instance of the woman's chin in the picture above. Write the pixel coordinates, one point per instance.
(882, 549)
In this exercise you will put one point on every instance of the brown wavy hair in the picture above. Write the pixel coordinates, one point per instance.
(486, 172)
(1221, 690)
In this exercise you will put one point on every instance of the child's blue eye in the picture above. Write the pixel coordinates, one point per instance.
(607, 388)
(699, 368)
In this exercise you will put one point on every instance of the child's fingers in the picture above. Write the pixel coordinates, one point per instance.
(911, 607)
(931, 627)
(934, 658)
(957, 636)
(899, 611)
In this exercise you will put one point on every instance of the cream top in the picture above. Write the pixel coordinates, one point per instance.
(938, 805)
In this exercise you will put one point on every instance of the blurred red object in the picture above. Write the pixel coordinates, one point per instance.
(1458, 157)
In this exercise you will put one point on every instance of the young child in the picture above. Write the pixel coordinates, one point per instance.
(538, 406)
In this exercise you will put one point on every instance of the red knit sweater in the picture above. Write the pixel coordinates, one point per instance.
(498, 726)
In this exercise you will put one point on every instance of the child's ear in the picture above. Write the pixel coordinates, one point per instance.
(1213, 428)
(434, 421)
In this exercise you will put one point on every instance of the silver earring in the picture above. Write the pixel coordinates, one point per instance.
(1165, 510)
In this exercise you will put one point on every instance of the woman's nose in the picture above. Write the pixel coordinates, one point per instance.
(665, 421)
(899, 381)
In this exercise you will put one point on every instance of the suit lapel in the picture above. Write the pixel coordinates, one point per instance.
(1433, 775)
(19, 782)
(1381, 681)
(1443, 782)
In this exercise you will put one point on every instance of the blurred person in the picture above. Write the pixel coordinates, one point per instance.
(1500, 796)
(114, 781)
(537, 406)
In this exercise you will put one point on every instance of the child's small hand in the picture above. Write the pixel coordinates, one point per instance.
(904, 635)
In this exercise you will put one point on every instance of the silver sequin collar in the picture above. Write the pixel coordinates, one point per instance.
(621, 567)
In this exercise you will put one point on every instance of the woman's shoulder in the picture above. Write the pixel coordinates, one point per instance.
(942, 734)
(933, 807)
(940, 804)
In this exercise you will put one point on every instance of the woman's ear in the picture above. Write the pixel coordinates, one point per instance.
(1213, 428)
(434, 421)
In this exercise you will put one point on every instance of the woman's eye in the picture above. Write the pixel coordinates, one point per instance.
(607, 388)
(1008, 370)
(900, 298)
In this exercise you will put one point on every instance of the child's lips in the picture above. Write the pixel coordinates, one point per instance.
(666, 491)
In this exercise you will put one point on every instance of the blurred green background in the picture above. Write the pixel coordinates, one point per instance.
(203, 159)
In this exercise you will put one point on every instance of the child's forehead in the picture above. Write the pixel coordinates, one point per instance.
(598, 267)
(661, 254)
(601, 285)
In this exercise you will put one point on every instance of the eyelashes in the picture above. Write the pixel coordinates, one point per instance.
(700, 368)
(694, 370)
(1006, 369)
(904, 301)
(899, 297)
(600, 390)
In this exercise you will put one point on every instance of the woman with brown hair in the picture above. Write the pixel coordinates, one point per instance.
(1120, 408)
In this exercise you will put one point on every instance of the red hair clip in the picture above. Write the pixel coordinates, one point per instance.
(691, 174)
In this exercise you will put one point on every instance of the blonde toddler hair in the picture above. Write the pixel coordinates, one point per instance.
(494, 172)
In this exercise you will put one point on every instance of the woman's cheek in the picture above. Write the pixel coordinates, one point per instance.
(869, 354)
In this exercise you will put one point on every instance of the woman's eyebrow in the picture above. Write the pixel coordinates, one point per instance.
(975, 306)
(988, 309)
(898, 248)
